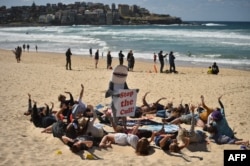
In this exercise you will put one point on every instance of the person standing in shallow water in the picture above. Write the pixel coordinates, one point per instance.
(68, 59)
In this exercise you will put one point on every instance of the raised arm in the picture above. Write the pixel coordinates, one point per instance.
(71, 98)
(144, 102)
(135, 128)
(160, 100)
(221, 105)
(203, 103)
(81, 92)
(192, 107)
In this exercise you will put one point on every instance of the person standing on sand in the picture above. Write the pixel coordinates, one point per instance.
(121, 56)
(155, 57)
(128, 57)
(131, 62)
(68, 59)
(171, 62)
(109, 60)
(161, 59)
(36, 48)
(96, 57)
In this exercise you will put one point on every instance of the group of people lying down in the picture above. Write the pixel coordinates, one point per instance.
(75, 124)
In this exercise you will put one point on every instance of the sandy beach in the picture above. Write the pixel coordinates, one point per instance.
(44, 76)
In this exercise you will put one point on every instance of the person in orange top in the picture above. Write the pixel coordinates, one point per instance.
(203, 111)
(204, 115)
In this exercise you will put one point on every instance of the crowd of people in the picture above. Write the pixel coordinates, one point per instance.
(19, 49)
(75, 123)
(130, 60)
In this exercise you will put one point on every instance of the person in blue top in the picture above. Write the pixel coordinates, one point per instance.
(217, 119)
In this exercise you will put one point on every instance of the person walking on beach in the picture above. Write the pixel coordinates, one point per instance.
(161, 59)
(68, 59)
(18, 53)
(171, 62)
(96, 57)
(36, 48)
(109, 60)
(121, 56)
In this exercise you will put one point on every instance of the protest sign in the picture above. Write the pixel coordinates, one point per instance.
(125, 104)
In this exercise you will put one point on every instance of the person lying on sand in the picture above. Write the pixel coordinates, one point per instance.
(200, 117)
(141, 145)
(167, 142)
(77, 144)
(152, 108)
(40, 116)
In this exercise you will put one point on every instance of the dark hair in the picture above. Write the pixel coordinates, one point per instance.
(173, 147)
(142, 147)
(212, 129)
(61, 97)
(75, 148)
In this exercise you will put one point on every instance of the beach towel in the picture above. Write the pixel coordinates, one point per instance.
(168, 128)
(142, 122)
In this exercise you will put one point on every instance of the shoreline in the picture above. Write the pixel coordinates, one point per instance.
(178, 63)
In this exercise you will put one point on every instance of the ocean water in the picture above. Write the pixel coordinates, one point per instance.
(227, 43)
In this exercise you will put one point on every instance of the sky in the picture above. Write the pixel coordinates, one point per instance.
(187, 10)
